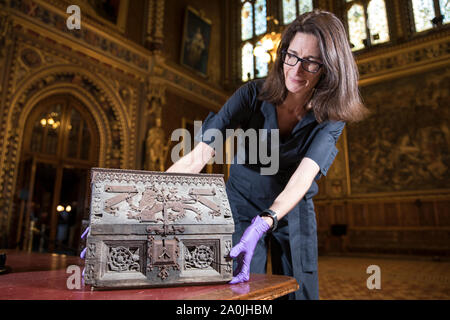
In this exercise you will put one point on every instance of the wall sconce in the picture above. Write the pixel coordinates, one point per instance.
(60, 208)
(50, 121)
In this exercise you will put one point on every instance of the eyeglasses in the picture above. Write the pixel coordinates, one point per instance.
(307, 65)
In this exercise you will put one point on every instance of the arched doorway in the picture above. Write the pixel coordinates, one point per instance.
(52, 197)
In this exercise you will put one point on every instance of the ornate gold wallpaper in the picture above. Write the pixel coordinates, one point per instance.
(404, 144)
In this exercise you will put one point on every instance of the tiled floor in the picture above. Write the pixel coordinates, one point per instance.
(342, 278)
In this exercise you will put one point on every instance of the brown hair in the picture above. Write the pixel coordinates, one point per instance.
(336, 95)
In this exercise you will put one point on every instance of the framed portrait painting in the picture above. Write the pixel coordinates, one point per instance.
(196, 39)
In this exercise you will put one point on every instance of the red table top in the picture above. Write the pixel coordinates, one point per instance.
(37, 276)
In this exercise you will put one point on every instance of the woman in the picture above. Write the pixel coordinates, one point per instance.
(309, 94)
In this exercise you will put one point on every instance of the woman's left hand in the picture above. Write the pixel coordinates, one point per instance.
(83, 253)
(245, 248)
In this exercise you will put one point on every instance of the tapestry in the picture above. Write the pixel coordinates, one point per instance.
(404, 144)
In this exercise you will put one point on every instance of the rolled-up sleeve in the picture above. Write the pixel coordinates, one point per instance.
(323, 147)
(236, 111)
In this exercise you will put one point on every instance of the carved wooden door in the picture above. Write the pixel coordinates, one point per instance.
(60, 145)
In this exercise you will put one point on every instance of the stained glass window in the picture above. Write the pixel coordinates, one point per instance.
(262, 68)
(247, 21)
(253, 26)
(289, 11)
(367, 23)
(423, 14)
(260, 17)
(247, 62)
(290, 7)
(304, 6)
(445, 10)
(377, 21)
(357, 26)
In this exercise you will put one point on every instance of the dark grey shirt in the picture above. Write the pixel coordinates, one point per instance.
(249, 192)
(309, 138)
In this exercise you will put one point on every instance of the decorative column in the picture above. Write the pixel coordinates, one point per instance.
(6, 34)
(155, 25)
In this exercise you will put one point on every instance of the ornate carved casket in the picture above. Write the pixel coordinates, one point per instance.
(156, 229)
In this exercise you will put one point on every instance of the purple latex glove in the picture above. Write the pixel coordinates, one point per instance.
(245, 248)
(83, 253)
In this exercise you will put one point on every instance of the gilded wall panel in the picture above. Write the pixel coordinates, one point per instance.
(40, 69)
(40, 12)
(405, 144)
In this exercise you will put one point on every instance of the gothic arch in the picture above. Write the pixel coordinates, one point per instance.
(83, 96)
(99, 97)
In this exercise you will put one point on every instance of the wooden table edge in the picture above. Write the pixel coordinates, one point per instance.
(272, 293)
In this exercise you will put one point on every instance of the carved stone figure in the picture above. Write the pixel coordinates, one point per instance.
(156, 148)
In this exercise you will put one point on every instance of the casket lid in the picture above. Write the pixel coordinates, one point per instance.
(138, 200)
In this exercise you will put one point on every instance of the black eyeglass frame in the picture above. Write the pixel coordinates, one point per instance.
(284, 53)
